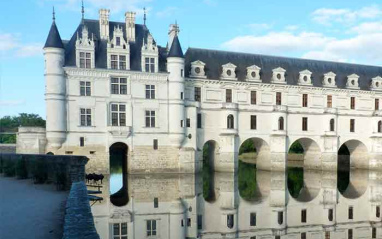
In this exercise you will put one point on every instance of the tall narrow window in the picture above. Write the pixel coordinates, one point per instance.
(329, 101)
(150, 118)
(230, 220)
(120, 230)
(118, 41)
(122, 62)
(253, 122)
(252, 219)
(197, 94)
(156, 203)
(228, 95)
(149, 64)
(114, 61)
(350, 213)
(352, 125)
(376, 104)
(303, 216)
(303, 235)
(305, 100)
(82, 141)
(199, 119)
(332, 125)
(119, 86)
(86, 117)
(304, 124)
(85, 60)
(118, 115)
(230, 122)
(281, 123)
(380, 126)
(350, 234)
(352, 103)
(85, 88)
(188, 222)
(151, 227)
(378, 212)
(200, 222)
(155, 144)
(330, 215)
(374, 232)
(280, 217)
(188, 122)
(327, 235)
(150, 91)
(253, 98)
(278, 98)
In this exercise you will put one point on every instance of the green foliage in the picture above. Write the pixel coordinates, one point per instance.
(21, 169)
(295, 181)
(247, 147)
(9, 168)
(247, 180)
(11, 123)
(39, 171)
(296, 148)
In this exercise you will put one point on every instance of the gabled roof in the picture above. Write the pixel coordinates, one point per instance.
(215, 59)
(54, 39)
(176, 49)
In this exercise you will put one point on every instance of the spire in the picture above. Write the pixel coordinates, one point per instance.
(54, 39)
(144, 16)
(83, 12)
(176, 49)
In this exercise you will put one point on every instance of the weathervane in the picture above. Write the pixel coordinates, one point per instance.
(144, 16)
(83, 12)
(54, 15)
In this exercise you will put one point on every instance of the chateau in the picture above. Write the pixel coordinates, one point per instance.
(113, 88)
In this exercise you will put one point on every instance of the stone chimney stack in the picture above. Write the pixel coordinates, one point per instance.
(130, 26)
(174, 30)
(104, 23)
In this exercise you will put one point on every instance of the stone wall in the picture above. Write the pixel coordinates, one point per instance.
(7, 148)
(79, 221)
(31, 140)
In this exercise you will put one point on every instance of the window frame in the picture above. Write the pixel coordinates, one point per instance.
(230, 122)
(121, 120)
(151, 228)
(352, 125)
(253, 122)
(253, 97)
(120, 235)
(85, 59)
(150, 64)
(118, 85)
(150, 92)
(197, 94)
(304, 100)
(329, 101)
(85, 117)
(85, 88)
(352, 103)
(150, 116)
(304, 123)
(278, 98)
(228, 95)
(376, 104)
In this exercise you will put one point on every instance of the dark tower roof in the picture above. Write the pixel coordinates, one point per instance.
(54, 39)
(176, 49)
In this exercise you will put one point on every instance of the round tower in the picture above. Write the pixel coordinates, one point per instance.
(55, 89)
(175, 67)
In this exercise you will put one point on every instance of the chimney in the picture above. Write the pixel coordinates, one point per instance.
(174, 30)
(104, 23)
(130, 26)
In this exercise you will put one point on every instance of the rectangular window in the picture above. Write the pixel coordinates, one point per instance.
(252, 219)
(181, 123)
(189, 222)
(230, 220)
(188, 122)
(120, 230)
(181, 95)
(374, 232)
(150, 118)
(253, 98)
(197, 94)
(118, 41)
(114, 62)
(253, 121)
(85, 88)
(305, 100)
(86, 117)
(82, 141)
(155, 144)
(200, 222)
(350, 213)
(352, 125)
(278, 98)
(156, 204)
(150, 91)
(85, 60)
(122, 62)
(303, 235)
(151, 227)
(118, 115)
(228, 95)
(150, 64)
(352, 103)
(329, 100)
(378, 211)
(327, 235)
(376, 104)
(350, 234)
(304, 124)
(330, 215)
(303, 216)
(280, 217)
(199, 121)
(119, 86)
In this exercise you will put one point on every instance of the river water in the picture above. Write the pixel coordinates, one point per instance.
(250, 204)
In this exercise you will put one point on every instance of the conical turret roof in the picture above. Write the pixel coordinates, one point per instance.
(54, 39)
(176, 49)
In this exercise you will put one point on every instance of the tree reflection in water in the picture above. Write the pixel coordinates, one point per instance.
(295, 181)
(247, 181)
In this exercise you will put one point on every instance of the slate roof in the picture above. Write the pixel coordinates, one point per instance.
(141, 33)
(293, 66)
(176, 49)
(54, 39)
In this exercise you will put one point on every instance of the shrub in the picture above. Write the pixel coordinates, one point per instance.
(21, 169)
(39, 171)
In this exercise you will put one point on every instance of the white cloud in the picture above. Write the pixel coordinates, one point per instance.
(7, 42)
(291, 28)
(11, 45)
(167, 12)
(259, 26)
(367, 27)
(328, 16)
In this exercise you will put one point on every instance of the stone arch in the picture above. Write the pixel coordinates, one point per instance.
(263, 152)
(118, 157)
(311, 153)
(356, 152)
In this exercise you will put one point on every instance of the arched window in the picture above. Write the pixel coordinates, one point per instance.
(281, 123)
(332, 125)
(230, 122)
(380, 126)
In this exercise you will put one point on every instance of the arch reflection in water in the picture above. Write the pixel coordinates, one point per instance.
(118, 156)
(172, 206)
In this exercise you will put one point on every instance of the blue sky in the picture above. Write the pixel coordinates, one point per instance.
(348, 31)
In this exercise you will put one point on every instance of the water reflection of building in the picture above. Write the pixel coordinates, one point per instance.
(173, 206)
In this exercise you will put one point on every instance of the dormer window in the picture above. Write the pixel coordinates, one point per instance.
(118, 41)
(376, 83)
(118, 51)
(149, 61)
(352, 82)
(197, 69)
(85, 50)
(149, 64)
(305, 78)
(85, 60)
(279, 76)
(253, 73)
(329, 80)
(228, 72)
